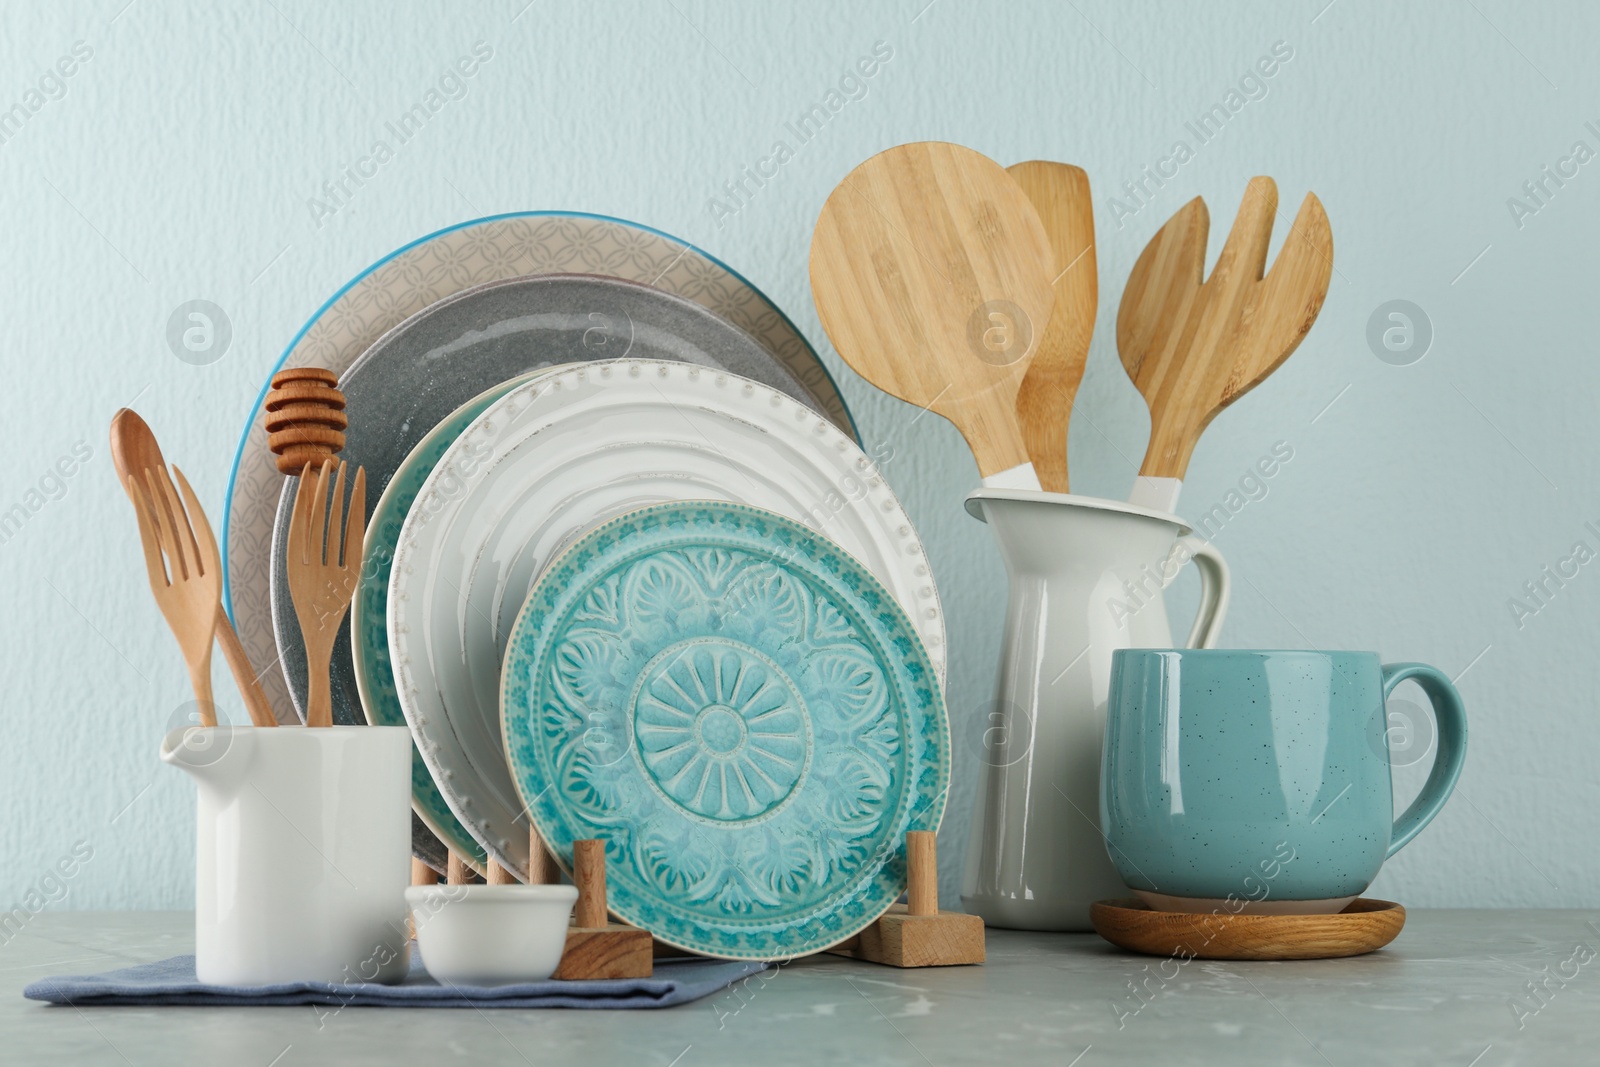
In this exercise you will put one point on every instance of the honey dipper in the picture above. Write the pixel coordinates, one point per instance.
(305, 417)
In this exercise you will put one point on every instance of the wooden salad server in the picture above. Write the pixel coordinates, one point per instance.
(931, 273)
(180, 558)
(1194, 345)
(133, 451)
(324, 562)
(1060, 193)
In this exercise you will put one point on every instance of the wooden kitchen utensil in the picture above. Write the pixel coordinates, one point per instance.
(1363, 926)
(931, 272)
(305, 422)
(1193, 347)
(323, 566)
(180, 558)
(1060, 193)
(305, 417)
(133, 451)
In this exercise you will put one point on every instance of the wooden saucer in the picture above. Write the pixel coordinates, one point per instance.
(1364, 926)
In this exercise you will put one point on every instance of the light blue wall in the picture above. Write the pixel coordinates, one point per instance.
(178, 162)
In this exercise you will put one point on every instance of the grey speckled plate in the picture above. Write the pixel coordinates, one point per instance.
(419, 372)
(434, 268)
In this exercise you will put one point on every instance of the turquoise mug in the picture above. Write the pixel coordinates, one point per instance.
(1259, 781)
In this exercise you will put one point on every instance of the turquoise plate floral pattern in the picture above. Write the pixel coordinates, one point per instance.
(741, 711)
(369, 613)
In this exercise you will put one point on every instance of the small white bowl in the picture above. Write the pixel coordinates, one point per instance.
(488, 935)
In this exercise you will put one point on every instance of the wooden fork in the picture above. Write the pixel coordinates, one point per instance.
(1192, 344)
(323, 569)
(180, 556)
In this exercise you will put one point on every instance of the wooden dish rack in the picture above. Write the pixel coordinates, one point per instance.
(306, 422)
(914, 934)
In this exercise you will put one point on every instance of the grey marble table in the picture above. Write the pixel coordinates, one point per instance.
(1469, 988)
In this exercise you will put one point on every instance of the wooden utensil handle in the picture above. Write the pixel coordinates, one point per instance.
(200, 681)
(244, 676)
(1172, 439)
(319, 694)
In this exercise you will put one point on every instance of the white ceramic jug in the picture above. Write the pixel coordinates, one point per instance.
(1086, 578)
(304, 851)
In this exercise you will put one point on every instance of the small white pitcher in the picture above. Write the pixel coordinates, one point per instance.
(304, 852)
(1086, 578)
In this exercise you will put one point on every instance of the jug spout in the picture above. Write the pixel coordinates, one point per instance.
(215, 755)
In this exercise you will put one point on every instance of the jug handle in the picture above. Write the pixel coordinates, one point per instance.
(1214, 587)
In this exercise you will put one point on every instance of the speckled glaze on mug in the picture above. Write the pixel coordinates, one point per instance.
(1261, 776)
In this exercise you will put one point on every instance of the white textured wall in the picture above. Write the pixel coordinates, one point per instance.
(177, 161)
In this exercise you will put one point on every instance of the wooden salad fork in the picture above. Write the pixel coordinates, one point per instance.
(1192, 344)
(324, 565)
(180, 555)
(133, 449)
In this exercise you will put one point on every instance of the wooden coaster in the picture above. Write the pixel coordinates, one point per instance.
(1364, 926)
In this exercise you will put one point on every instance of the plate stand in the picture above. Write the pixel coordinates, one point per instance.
(596, 947)
(918, 934)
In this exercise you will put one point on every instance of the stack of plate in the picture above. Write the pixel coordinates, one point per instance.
(630, 577)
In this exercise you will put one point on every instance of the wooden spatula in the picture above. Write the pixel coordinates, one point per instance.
(1195, 347)
(931, 272)
(1060, 192)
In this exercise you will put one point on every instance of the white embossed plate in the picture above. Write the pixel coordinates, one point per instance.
(741, 712)
(559, 456)
(430, 269)
(369, 628)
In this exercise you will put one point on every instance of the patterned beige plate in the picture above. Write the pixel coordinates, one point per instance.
(445, 263)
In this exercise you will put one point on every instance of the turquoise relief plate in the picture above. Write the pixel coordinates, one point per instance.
(369, 613)
(741, 711)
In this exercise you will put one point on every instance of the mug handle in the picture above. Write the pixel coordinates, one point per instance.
(1214, 585)
(1451, 716)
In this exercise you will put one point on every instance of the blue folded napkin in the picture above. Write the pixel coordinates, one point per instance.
(173, 981)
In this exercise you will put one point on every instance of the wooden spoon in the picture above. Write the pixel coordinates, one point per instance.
(133, 451)
(931, 272)
(1195, 347)
(1060, 192)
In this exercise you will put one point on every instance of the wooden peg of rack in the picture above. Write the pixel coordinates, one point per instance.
(917, 933)
(597, 947)
(421, 874)
(542, 867)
